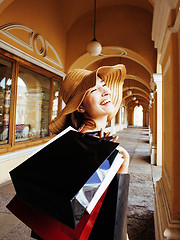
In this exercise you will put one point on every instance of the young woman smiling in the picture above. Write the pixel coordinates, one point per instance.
(92, 99)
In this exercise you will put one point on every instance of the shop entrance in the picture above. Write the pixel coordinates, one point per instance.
(138, 116)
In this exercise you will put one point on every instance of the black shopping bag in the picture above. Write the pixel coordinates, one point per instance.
(49, 179)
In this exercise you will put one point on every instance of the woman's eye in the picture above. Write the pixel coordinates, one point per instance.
(93, 90)
(104, 85)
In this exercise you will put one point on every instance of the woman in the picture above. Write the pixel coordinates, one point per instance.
(49, 183)
(92, 99)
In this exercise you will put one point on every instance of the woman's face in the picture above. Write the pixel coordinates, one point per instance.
(97, 101)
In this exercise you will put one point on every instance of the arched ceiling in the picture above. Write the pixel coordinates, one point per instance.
(74, 9)
(123, 28)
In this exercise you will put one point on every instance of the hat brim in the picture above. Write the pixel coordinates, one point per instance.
(113, 76)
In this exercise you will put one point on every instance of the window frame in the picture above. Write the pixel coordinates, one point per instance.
(12, 146)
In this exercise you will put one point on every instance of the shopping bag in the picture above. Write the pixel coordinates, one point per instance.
(49, 228)
(50, 178)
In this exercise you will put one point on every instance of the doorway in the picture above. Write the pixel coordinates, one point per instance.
(138, 116)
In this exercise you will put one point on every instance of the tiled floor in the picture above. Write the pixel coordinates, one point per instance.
(142, 183)
(141, 193)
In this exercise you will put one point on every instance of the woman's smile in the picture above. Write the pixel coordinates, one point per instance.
(105, 102)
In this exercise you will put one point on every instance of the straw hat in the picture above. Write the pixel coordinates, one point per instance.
(76, 84)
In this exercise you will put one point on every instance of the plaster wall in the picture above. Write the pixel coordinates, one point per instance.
(44, 19)
(132, 32)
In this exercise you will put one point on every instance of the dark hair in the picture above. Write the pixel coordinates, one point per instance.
(77, 119)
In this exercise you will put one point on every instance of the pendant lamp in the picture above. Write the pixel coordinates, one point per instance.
(133, 98)
(94, 47)
(129, 92)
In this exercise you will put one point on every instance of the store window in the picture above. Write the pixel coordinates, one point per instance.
(29, 99)
(33, 104)
(55, 99)
(5, 99)
(122, 115)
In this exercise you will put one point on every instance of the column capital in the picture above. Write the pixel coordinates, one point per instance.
(157, 77)
(152, 83)
(158, 80)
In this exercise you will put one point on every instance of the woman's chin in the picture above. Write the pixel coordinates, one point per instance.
(109, 109)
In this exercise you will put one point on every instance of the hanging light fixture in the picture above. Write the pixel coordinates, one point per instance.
(129, 92)
(94, 47)
(133, 98)
(136, 101)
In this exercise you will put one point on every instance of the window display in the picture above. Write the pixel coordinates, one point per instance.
(5, 99)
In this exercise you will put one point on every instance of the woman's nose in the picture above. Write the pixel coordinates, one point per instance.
(105, 92)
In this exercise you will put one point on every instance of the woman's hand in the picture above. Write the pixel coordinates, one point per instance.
(125, 165)
(125, 155)
(107, 134)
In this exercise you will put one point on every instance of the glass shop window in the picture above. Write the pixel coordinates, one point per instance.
(29, 99)
(55, 106)
(33, 105)
(122, 115)
(5, 99)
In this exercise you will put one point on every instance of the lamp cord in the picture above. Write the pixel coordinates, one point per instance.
(94, 39)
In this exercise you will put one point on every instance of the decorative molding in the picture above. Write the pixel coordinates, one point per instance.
(30, 58)
(162, 10)
(19, 153)
(175, 27)
(167, 65)
(120, 52)
(4, 29)
(157, 78)
(160, 18)
(32, 41)
(128, 76)
(136, 88)
(86, 60)
(166, 41)
(49, 46)
(39, 51)
(165, 226)
(152, 84)
(158, 81)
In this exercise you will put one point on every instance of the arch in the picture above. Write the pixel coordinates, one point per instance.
(129, 98)
(138, 115)
(111, 32)
(136, 88)
(86, 59)
(4, 4)
(135, 83)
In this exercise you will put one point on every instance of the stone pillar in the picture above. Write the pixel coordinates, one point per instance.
(154, 130)
(147, 117)
(158, 81)
(166, 35)
(151, 119)
(153, 102)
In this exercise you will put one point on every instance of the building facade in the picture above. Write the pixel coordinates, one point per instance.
(41, 41)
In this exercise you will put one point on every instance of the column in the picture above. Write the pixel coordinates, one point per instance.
(166, 34)
(150, 119)
(153, 142)
(158, 81)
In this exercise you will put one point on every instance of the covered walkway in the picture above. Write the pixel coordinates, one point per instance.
(141, 194)
(142, 183)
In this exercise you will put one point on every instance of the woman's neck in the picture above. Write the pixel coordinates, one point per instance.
(99, 124)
